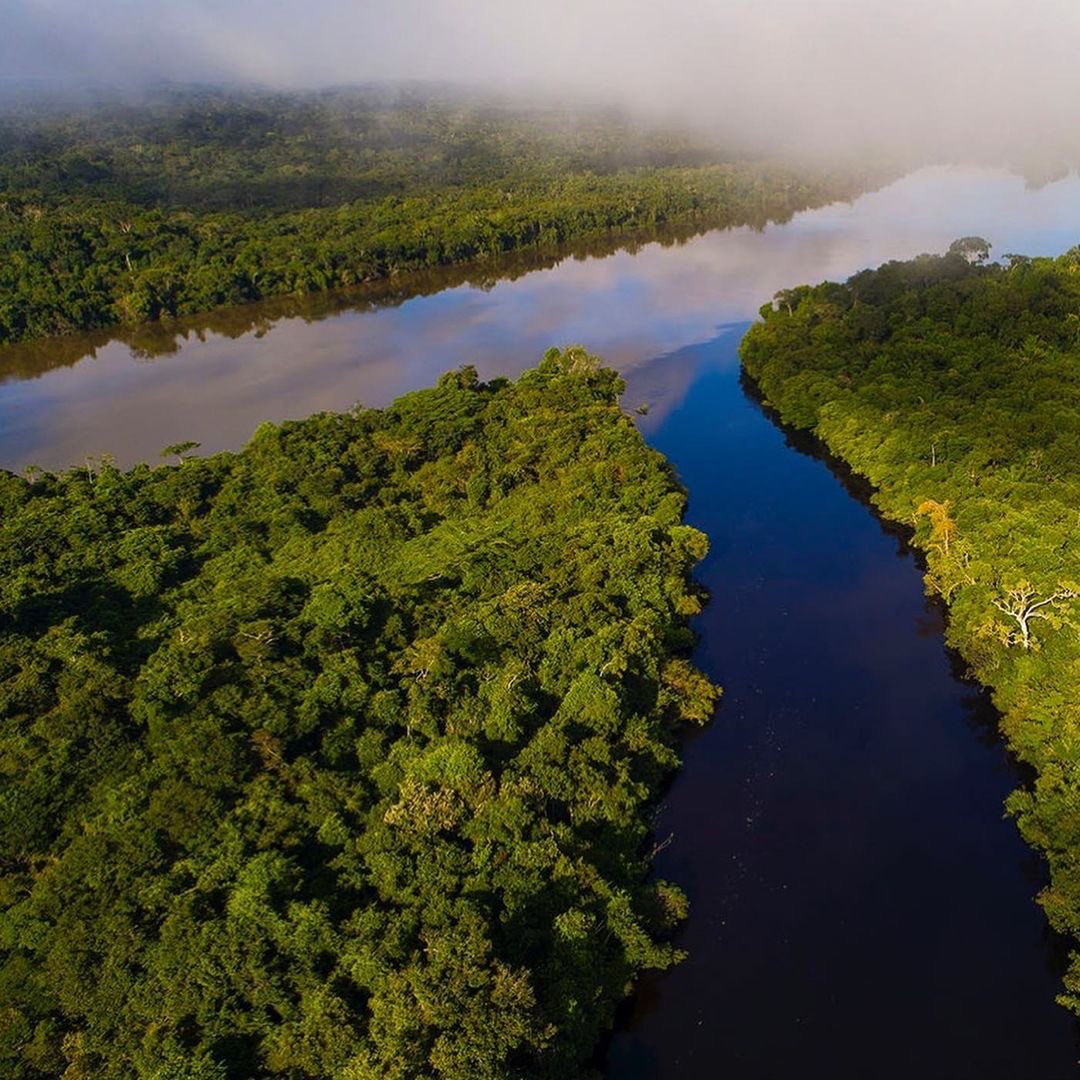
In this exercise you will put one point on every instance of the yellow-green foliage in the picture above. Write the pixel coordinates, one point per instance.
(334, 757)
(955, 388)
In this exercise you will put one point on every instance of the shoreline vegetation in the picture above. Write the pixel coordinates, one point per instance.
(337, 756)
(195, 201)
(953, 386)
(166, 336)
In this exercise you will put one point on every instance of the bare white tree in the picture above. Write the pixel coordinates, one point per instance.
(1023, 604)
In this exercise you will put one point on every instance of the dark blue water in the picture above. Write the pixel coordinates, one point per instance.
(860, 909)
(859, 906)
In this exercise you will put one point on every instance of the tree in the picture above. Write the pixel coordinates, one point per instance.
(180, 450)
(1023, 604)
(973, 248)
(942, 526)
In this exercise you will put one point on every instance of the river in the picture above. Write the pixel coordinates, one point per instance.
(860, 909)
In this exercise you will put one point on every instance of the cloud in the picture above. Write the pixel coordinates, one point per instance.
(867, 73)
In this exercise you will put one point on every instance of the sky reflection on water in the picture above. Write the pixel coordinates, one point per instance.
(628, 308)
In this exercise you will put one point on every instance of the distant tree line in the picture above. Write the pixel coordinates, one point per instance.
(148, 340)
(193, 201)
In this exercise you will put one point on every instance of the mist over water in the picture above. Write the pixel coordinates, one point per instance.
(926, 80)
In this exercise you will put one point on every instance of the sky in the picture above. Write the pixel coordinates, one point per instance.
(982, 73)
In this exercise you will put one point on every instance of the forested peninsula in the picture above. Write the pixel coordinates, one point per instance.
(953, 385)
(123, 212)
(336, 756)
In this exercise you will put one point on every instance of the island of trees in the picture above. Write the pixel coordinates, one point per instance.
(953, 385)
(191, 200)
(336, 756)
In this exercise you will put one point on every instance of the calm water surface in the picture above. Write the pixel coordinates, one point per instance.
(860, 909)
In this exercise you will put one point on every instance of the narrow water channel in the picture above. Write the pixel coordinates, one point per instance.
(859, 906)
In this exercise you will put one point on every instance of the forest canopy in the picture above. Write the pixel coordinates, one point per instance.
(122, 212)
(336, 756)
(953, 385)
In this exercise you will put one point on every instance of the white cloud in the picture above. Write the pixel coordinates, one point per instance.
(908, 72)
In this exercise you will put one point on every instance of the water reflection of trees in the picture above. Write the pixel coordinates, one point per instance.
(150, 341)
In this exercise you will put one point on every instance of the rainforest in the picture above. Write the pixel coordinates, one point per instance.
(198, 200)
(412, 415)
(953, 386)
(329, 757)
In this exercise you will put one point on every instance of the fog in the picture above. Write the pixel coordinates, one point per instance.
(989, 79)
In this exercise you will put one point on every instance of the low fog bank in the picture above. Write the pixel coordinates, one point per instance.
(928, 80)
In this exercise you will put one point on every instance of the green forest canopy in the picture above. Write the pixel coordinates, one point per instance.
(193, 200)
(954, 386)
(335, 756)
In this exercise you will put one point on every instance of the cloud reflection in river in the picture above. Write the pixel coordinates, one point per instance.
(632, 309)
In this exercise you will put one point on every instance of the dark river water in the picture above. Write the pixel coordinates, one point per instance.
(860, 908)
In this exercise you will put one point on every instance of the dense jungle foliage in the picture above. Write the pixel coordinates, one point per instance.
(192, 200)
(148, 340)
(334, 756)
(954, 386)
